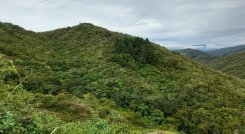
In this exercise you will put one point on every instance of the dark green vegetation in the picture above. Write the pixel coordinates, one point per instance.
(229, 60)
(86, 79)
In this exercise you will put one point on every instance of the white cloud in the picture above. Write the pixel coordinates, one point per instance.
(175, 23)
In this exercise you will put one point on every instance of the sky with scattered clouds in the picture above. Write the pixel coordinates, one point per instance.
(171, 23)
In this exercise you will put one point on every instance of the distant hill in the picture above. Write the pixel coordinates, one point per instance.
(88, 80)
(229, 60)
(227, 50)
(233, 64)
(196, 55)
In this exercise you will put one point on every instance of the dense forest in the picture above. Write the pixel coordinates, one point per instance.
(88, 80)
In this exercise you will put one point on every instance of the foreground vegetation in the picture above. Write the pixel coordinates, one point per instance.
(86, 79)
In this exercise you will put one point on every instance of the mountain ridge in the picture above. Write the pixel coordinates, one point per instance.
(227, 50)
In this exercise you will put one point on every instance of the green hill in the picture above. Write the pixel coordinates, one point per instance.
(196, 55)
(233, 64)
(86, 79)
(228, 60)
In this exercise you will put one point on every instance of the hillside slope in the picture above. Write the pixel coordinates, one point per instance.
(151, 87)
(233, 64)
(228, 60)
(196, 55)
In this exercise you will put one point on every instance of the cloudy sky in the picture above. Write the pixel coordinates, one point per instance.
(171, 23)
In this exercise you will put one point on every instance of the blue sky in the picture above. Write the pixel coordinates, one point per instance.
(171, 23)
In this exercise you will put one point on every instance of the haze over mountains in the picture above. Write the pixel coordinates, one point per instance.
(86, 79)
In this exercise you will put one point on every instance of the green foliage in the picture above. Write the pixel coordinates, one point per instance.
(88, 77)
(125, 60)
(24, 112)
(7, 121)
(6, 68)
(157, 116)
(93, 126)
(138, 49)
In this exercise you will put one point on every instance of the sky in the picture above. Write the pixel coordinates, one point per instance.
(175, 24)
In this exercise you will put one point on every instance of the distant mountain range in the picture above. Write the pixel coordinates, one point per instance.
(196, 55)
(231, 64)
(227, 50)
(230, 60)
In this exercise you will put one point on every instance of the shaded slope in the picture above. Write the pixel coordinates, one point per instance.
(162, 87)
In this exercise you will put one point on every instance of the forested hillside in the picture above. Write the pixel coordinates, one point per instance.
(86, 79)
